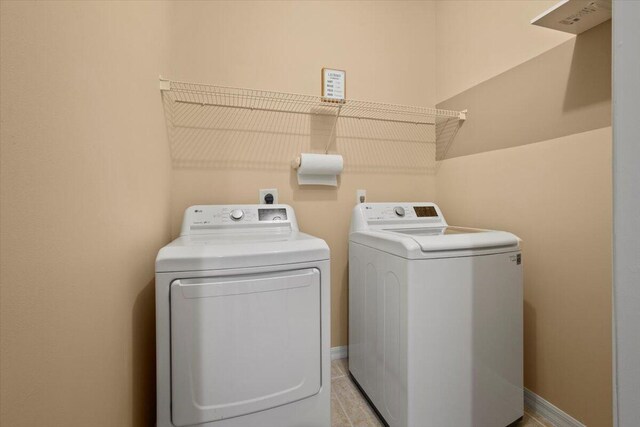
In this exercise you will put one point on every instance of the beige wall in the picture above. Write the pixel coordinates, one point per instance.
(478, 39)
(283, 46)
(556, 196)
(84, 209)
(538, 165)
(88, 194)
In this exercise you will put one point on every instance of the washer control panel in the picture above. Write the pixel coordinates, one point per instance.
(236, 214)
(401, 214)
(272, 214)
(203, 219)
(399, 210)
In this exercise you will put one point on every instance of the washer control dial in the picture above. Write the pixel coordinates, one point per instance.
(399, 210)
(236, 214)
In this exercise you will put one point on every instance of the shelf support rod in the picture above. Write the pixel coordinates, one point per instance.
(451, 138)
(333, 130)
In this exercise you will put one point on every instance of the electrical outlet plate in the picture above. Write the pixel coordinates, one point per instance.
(264, 191)
(361, 196)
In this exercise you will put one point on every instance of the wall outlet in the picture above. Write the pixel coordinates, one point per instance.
(361, 196)
(263, 193)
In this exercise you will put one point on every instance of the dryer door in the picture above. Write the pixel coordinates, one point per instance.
(242, 344)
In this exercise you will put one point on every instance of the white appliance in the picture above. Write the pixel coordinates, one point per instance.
(435, 318)
(242, 321)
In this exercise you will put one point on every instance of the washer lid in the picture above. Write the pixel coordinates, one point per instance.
(457, 238)
(439, 231)
(436, 242)
(239, 250)
(416, 230)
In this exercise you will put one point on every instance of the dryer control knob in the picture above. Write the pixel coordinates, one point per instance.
(399, 210)
(236, 214)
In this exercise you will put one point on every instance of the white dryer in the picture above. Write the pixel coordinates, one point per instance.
(435, 318)
(242, 321)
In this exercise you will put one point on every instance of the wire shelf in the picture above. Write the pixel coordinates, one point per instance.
(194, 107)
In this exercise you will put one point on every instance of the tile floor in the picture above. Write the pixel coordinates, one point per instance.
(350, 409)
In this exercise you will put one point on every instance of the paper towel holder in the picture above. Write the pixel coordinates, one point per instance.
(295, 163)
(318, 168)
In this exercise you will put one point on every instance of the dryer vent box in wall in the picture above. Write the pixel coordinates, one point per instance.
(575, 16)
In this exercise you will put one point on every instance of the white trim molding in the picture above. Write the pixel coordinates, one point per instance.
(626, 221)
(547, 410)
(341, 352)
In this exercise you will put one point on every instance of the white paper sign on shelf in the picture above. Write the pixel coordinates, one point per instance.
(334, 84)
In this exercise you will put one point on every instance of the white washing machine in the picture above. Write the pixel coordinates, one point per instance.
(435, 318)
(242, 321)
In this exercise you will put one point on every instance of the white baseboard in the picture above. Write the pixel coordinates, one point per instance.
(556, 416)
(341, 352)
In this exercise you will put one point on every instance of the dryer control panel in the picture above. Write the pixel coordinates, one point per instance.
(206, 219)
(368, 216)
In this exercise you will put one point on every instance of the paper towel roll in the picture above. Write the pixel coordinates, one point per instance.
(319, 169)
